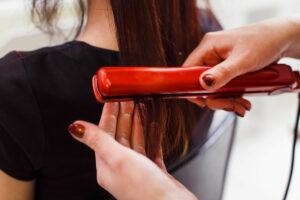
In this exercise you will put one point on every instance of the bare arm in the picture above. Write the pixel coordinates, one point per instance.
(13, 189)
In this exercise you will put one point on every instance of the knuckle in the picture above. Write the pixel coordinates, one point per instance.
(126, 115)
(206, 40)
(112, 118)
(224, 71)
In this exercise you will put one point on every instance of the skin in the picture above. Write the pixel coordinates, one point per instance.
(246, 49)
(100, 28)
(98, 32)
(13, 189)
(232, 52)
(116, 158)
(123, 168)
(119, 132)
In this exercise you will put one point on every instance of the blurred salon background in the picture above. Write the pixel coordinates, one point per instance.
(260, 160)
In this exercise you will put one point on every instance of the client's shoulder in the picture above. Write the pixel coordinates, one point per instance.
(36, 55)
(47, 52)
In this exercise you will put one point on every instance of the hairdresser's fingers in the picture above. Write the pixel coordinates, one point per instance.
(124, 123)
(244, 102)
(219, 103)
(199, 102)
(217, 76)
(204, 54)
(107, 149)
(239, 109)
(137, 135)
(194, 59)
(209, 56)
(109, 117)
(228, 104)
(95, 138)
(110, 155)
(225, 67)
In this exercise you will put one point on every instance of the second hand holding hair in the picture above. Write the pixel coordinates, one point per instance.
(124, 170)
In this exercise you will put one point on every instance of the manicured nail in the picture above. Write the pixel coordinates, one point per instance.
(209, 80)
(77, 130)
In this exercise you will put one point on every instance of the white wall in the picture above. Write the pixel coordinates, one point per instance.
(234, 13)
(17, 31)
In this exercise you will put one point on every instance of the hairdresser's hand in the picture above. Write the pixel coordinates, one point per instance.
(123, 172)
(246, 49)
(237, 105)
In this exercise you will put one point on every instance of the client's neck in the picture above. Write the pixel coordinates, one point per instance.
(100, 27)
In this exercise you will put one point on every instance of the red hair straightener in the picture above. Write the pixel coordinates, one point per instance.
(127, 83)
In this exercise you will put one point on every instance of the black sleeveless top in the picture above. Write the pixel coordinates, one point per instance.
(41, 93)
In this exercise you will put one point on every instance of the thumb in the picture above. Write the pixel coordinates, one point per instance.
(94, 137)
(219, 75)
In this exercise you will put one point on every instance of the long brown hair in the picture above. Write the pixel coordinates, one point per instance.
(151, 33)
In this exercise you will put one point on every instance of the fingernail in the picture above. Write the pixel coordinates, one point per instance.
(209, 80)
(240, 115)
(77, 130)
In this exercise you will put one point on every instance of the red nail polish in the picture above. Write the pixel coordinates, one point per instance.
(209, 80)
(77, 130)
